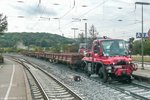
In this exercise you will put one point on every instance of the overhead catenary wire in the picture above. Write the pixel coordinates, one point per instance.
(82, 15)
(39, 3)
(127, 14)
(100, 4)
(74, 4)
(60, 27)
(59, 22)
(36, 23)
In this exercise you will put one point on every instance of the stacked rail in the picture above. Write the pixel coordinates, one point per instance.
(68, 58)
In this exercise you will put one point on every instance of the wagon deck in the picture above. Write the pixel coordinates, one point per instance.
(68, 58)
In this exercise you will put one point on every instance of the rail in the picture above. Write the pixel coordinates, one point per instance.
(35, 79)
(74, 95)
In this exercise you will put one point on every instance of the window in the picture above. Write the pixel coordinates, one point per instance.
(114, 47)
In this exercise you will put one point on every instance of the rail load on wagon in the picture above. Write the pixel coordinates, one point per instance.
(71, 59)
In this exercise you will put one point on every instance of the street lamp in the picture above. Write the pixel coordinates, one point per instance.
(120, 8)
(142, 50)
(56, 4)
(74, 31)
(84, 5)
(120, 20)
(20, 16)
(19, 1)
(78, 19)
(59, 25)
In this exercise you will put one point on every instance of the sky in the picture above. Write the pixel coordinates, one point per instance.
(112, 18)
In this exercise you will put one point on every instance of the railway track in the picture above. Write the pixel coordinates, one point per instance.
(107, 87)
(134, 91)
(50, 86)
(138, 62)
(36, 92)
(139, 91)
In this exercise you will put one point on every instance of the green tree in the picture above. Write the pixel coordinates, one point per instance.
(137, 47)
(81, 38)
(3, 23)
(147, 47)
(93, 35)
(131, 41)
(33, 39)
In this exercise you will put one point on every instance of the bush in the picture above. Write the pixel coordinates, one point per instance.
(1, 59)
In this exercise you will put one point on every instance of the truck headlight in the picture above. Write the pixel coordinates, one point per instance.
(117, 66)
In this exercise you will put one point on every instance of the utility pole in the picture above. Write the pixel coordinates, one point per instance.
(86, 34)
(142, 46)
(85, 31)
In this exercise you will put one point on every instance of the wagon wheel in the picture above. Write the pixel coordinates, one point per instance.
(78, 65)
(86, 71)
(103, 74)
(88, 74)
(82, 66)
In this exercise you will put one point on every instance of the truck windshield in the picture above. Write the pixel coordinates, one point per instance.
(114, 47)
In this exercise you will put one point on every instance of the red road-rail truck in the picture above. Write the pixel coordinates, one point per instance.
(108, 58)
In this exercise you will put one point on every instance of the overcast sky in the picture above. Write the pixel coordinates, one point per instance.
(112, 18)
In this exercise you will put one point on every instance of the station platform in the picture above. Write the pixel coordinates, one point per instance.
(13, 81)
(144, 74)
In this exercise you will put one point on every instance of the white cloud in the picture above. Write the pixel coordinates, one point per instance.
(104, 14)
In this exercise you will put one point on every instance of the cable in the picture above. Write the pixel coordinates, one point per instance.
(39, 3)
(100, 4)
(59, 20)
(36, 23)
(93, 8)
(69, 10)
(125, 14)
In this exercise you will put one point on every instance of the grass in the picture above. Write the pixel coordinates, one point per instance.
(139, 58)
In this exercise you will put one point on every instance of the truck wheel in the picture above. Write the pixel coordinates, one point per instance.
(86, 71)
(103, 74)
(100, 73)
(128, 80)
(88, 74)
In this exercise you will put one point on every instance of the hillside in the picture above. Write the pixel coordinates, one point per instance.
(35, 39)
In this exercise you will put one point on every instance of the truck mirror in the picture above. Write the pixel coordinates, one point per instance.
(129, 52)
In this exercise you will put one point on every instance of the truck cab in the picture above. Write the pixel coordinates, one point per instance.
(109, 59)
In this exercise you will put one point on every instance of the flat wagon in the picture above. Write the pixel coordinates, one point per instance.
(70, 59)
